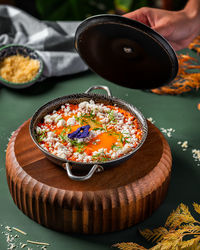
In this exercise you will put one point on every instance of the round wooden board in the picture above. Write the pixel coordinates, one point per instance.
(111, 200)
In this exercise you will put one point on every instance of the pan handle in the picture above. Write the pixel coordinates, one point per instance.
(95, 168)
(99, 87)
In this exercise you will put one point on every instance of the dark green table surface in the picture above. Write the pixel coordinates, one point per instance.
(177, 112)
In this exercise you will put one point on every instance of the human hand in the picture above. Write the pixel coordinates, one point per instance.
(178, 27)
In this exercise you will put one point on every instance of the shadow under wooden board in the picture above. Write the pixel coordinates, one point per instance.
(110, 201)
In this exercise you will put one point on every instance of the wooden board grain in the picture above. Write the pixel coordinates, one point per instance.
(111, 200)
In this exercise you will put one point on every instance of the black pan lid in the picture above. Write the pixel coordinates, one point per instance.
(126, 52)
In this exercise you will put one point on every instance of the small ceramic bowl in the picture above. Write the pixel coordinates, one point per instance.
(15, 49)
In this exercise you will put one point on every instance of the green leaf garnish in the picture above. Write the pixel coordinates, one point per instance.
(80, 145)
(112, 116)
(63, 136)
(41, 136)
(100, 128)
(115, 147)
(101, 157)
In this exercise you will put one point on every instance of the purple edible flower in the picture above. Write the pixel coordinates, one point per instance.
(81, 132)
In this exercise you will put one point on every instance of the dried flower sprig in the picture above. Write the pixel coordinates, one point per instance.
(178, 225)
(195, 44)
(185, 80)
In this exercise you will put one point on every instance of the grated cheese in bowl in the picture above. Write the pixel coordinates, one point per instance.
(20, 66)
(19, 69)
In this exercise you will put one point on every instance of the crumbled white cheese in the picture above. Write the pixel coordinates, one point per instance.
(62, 151)
(48, 119)
(167, 131)
(196, 155)
(50, 135)
(56, 117)
(184, 145)
(67, 109)
(151, 120)
(83, 105)
(8, 228)
(61, 123)
(38, 130)
(71, 121)
(104, 120)
(11, 246)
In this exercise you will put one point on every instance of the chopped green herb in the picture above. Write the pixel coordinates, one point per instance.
(105, 128)
(98, 129)
(96, 156)
(101, 157)
(112, 116)
(115, 147)
(124, 139)
(77, 118)
(92, 115)
(63, 136)
(113, 132)
(41, 136)
(83, 118)
(80, 145)
(69, 128)
(79, 150)
(104, 158)
(121, 138)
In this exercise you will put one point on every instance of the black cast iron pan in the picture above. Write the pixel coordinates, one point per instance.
(75, 99)
(126, 52)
